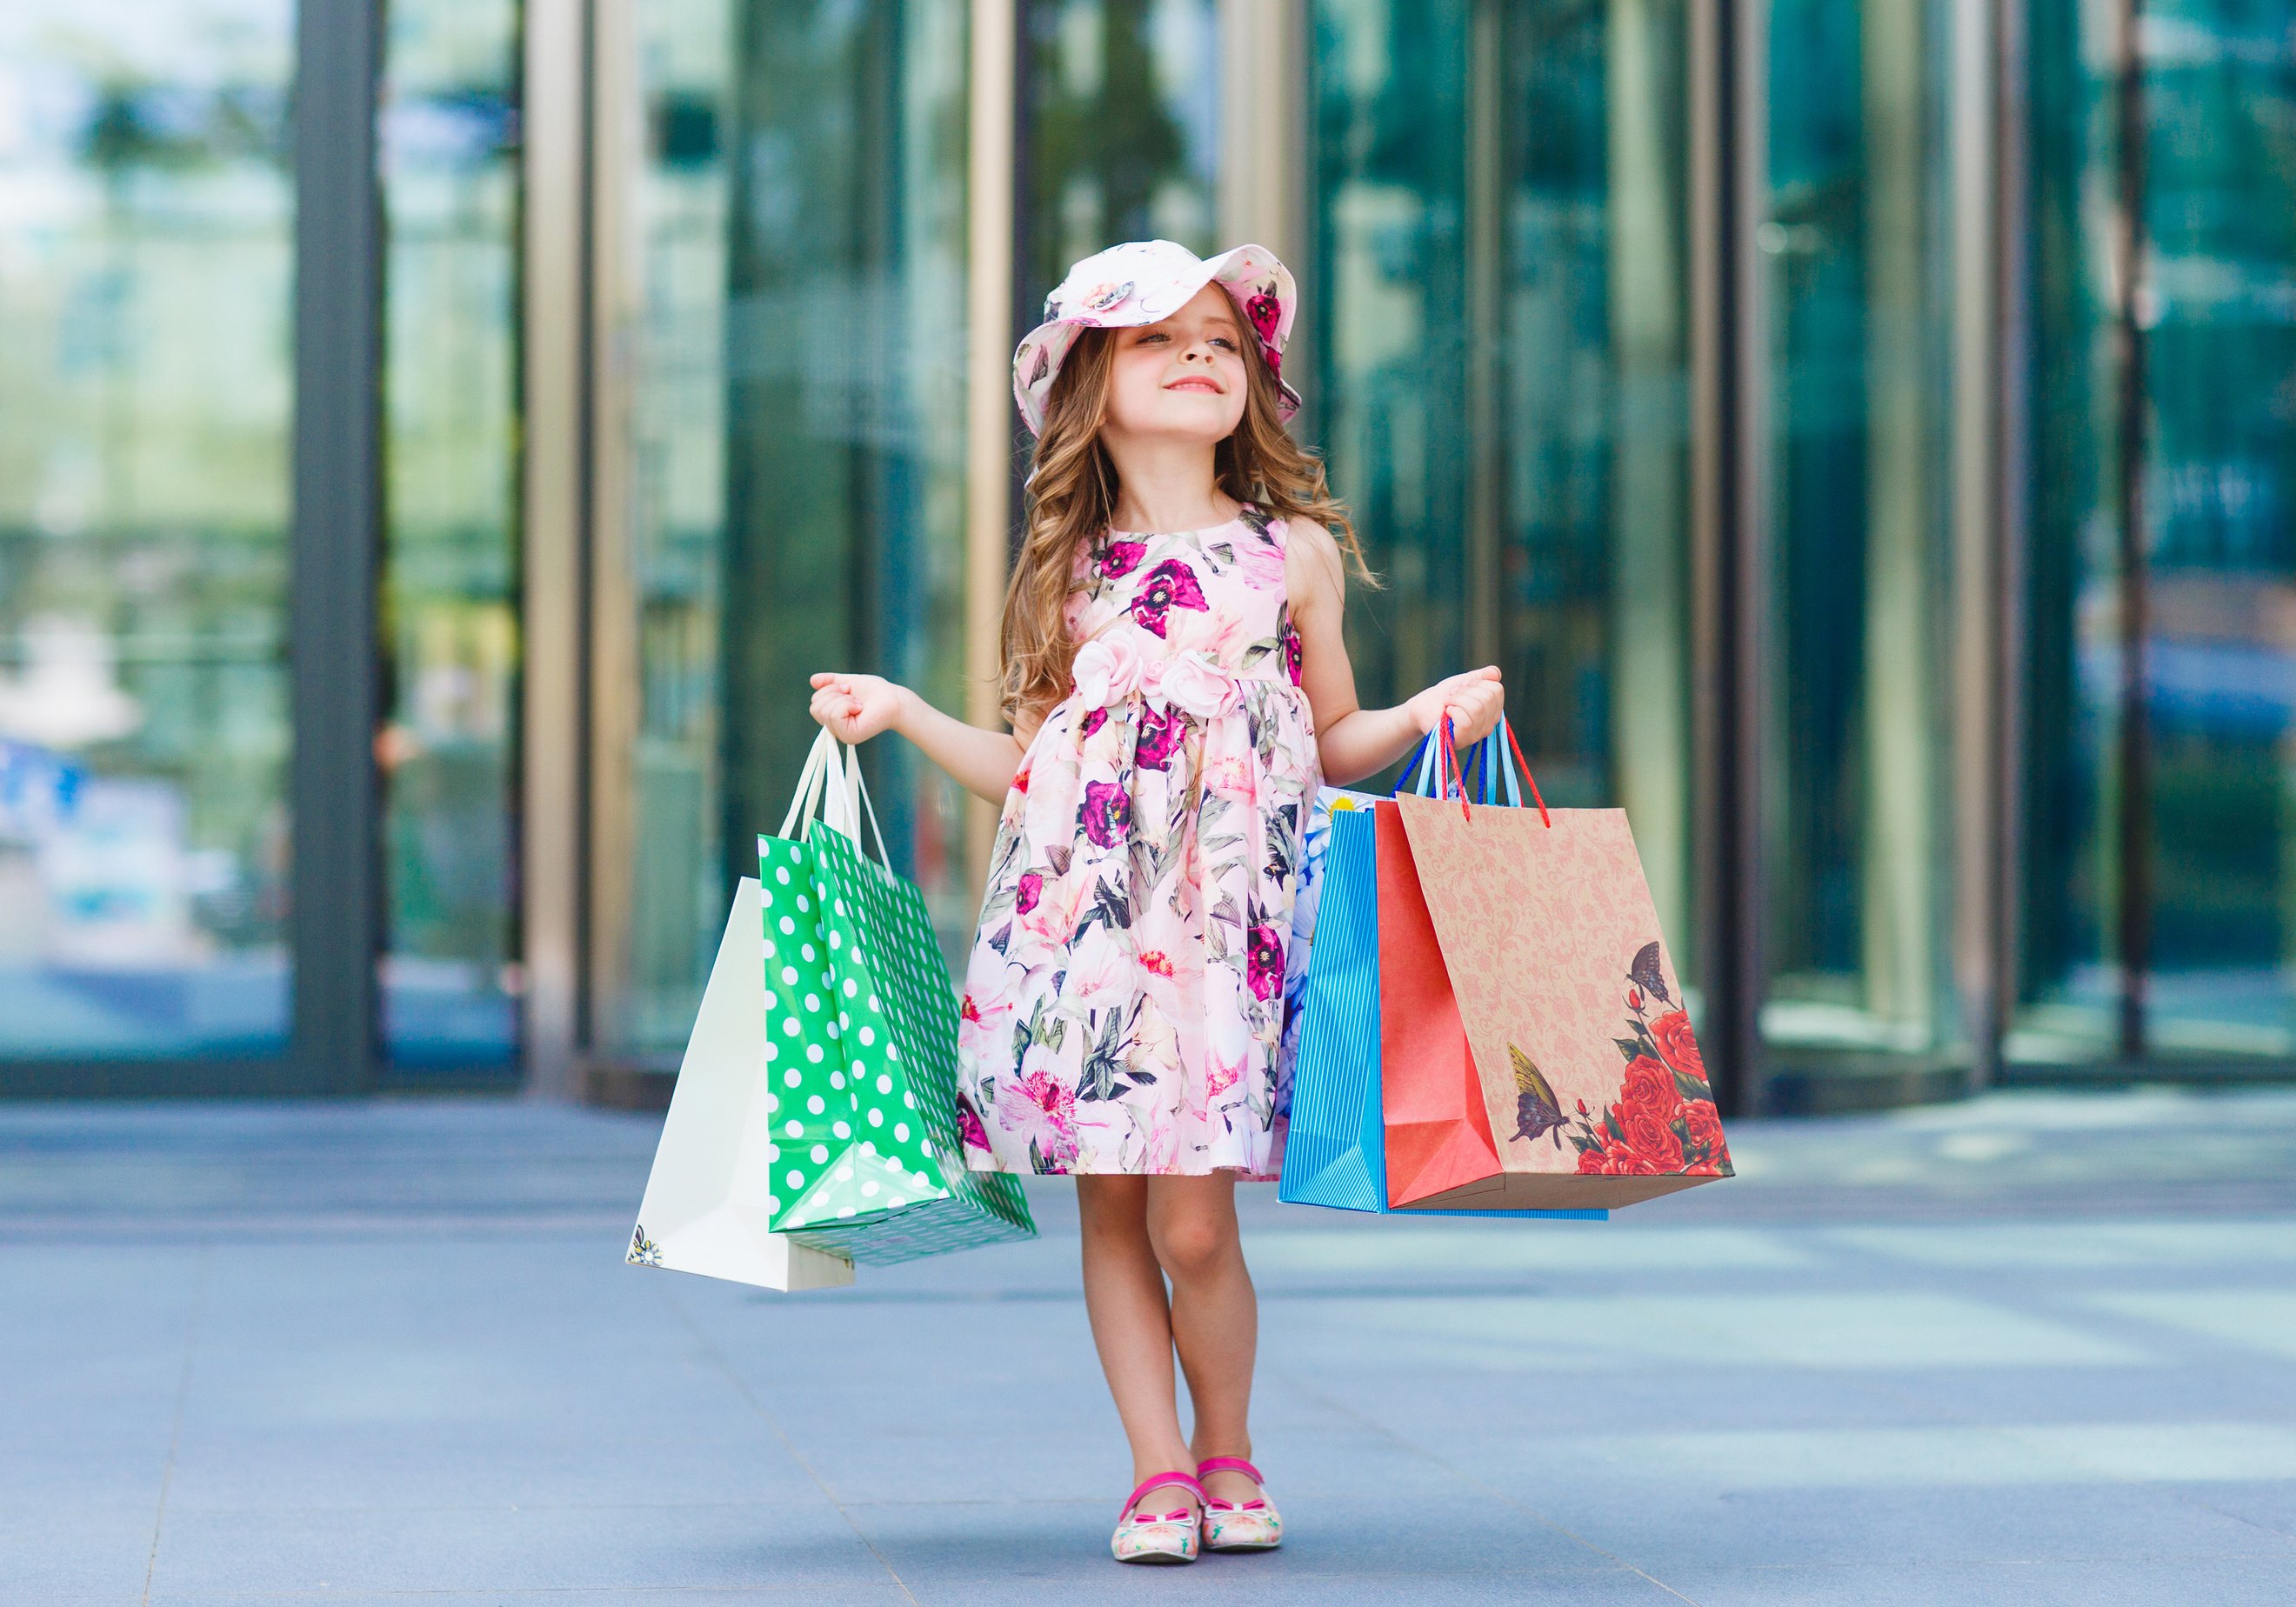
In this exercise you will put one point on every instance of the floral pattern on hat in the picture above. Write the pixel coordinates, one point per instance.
(1141, 282)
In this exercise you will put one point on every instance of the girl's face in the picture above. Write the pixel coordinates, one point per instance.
(1183, 376)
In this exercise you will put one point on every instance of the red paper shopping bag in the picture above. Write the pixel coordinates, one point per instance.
(1438, 1130)
(1536, 1051)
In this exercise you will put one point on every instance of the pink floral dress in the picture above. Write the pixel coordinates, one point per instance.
(1124, 1001)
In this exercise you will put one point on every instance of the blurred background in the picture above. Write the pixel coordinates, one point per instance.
(438, 437)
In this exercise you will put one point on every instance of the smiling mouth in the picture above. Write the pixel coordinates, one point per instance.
(1194, 384)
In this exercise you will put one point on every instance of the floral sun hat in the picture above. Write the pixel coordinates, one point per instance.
(1141, 282)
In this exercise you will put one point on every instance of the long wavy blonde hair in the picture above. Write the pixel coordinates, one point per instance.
(1070, 499)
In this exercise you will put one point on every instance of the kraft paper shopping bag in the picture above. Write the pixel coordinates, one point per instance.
(1536, 1050)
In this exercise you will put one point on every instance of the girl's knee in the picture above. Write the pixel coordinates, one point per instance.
(1194, 1244)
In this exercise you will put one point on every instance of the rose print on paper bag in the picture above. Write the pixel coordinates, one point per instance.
(1663, 1119)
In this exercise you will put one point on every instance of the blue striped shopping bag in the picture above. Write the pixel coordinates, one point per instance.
(1335, 1153)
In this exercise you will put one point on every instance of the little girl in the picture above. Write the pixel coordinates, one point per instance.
(1177, 686)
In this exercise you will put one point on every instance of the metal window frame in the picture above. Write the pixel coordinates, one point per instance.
(555, 221)
(1729, 536)
(337, 923)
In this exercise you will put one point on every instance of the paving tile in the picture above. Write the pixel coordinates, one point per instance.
(50, 1549)
(1667, 1532)
(2223, 1582)
(887, 1595)
(2259, 1321)
(422, 1371)
(937, 1545)
(627, 1546)
(1222, 1581)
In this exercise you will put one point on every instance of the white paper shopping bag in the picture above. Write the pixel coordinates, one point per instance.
(705, 1203)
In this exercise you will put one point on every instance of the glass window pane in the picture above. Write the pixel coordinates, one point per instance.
(449, 154)
(2068, 958)
(2220, 522)
(791, 490)
(146, 222)
(1122, 128)
(1499, 309)
(1857, 246)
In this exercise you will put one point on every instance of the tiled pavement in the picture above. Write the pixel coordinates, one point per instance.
(2035, 1349)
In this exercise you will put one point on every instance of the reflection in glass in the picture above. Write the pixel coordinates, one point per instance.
(2068, 984)
(1860, 769)
(145, 276)
(1122, 128)
(2221, 525)
(1501, 336)
(449, 154)
(792, 489)
(2214, 806)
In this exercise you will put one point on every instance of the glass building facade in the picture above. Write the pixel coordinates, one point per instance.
(1860, 429)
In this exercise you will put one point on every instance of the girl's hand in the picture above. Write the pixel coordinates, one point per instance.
(855, 707)
(1474, 700)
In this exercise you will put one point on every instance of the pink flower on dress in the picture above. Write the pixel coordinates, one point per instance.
(1261, 561)
(1094, 721)
(1120, 558)
(1265, 966)
(1160, 731)
(1032, 888)
(1170, 585)
(1292, 651)
(1041, 1108)
(969, 1126)
(1221, 1077)
(1153, 959)
(1106, 812)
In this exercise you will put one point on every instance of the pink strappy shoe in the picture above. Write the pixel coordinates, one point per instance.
(1166, 1536)
(1248, 1525)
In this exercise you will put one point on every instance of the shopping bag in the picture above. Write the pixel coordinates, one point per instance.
(861, 1022)
(1335, 1152)
(1536, 1048)
(706, 1208)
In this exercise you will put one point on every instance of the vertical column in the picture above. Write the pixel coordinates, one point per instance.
(1980, 610)
(1897, 913)
(2132, 826)
(613, 318)
(1729, 58)
(1264, 197)
(553, 110)
(1485, 337)
(2013, 468)
(1649, 712)
(336, 929)
(992, 175)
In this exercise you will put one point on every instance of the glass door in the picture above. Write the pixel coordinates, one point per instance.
(146, 259)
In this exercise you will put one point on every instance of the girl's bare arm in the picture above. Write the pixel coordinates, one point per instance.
(857, 706)
(1354, 741)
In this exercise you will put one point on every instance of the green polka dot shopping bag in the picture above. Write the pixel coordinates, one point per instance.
(861, 1045)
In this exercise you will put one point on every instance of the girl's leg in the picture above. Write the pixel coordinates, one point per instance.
(1131, 1323)
(1215, 1314)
